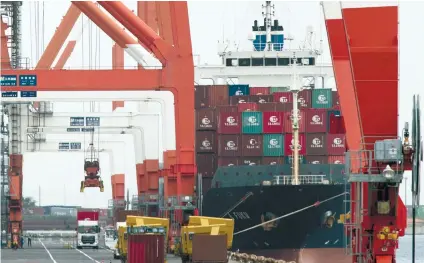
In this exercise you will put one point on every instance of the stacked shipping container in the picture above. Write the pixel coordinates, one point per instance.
(238, 125)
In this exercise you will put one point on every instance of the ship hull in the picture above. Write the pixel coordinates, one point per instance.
(308, 230)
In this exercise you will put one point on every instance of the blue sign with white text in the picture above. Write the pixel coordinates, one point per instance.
(64, 146)
(87, 129)
(28, 80)
(73, 129)
(9, 94)
(9, 80)
(29, 94)
(75, 145)
(92, 121)
(76, 121)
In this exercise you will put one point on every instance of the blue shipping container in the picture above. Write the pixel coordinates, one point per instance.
(252, 122)
(238, 90)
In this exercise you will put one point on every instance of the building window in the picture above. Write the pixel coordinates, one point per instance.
(257, 62)
(283, 61)
(270, 61)
(244, 62)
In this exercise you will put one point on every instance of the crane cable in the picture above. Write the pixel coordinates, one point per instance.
(292, 213)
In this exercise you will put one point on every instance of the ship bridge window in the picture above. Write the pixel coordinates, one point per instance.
(270, 61)
(283, 61)
(244, 62)
(257, 62)
(231, 62)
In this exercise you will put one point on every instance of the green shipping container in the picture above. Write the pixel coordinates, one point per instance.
(289, 160)
(252, 122)
(273, 145)
(322, 99)
(278, 89)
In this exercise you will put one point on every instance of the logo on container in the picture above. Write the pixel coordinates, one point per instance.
(230, 164)
(316, 143)
(205, 123)
(337, 162)
(316, 120)
(273, 163)
(253, 144)
(299, 146)
(231, 146)
(337, 143)
(206, 145)
(231, 121)
(261, 100)
(315, 162)
(248, 162)
(302, 102)
(274, 144)
(274, 121)
(252, 121)
(322, 99)
(239, 93)
(284, 99)
(241, 101)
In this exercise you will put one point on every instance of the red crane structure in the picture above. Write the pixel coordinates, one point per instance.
(171, 46)
(364, 50)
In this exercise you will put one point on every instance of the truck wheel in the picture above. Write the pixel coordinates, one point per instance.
(96, 247)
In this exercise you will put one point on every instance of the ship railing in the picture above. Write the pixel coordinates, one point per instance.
(303, 179)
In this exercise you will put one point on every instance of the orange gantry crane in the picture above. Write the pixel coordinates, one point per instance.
(364, 50)
(171, 46)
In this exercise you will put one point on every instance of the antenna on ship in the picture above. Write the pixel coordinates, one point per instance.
(268, 14)
(295, 124)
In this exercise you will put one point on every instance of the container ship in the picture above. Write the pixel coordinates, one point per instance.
(245, 148)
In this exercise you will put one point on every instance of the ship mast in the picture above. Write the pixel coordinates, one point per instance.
(268, 24)
(295, 124)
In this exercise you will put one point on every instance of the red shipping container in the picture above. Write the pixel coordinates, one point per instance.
(316, 159)
(206, 142)
(284, 107)
(336, 124)
(259, 90)
(288, 144)
(336, 100)
(316, 120)
(218, 95)
(229, 123)
(316, 144)
(251, 161)
(249, 106)
(336, 144)
(252, 145)
(228, 161)
(206, 119)
(206, 164)
(261, 98)
(201, 97)
(283, 97)
(336, 159)
(235, 100)
(229, 145)
(271, 106)
(272, 160)
(287, 121)
(304, 98)
(272, 122)
(87, 215)
(226, 108)
(144, 248)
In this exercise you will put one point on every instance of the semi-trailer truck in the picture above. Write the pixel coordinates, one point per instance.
(88, 230)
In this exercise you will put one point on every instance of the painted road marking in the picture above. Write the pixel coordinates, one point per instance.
(92, 259)
(48, 252)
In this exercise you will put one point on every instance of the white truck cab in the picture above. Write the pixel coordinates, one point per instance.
(88, 233)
